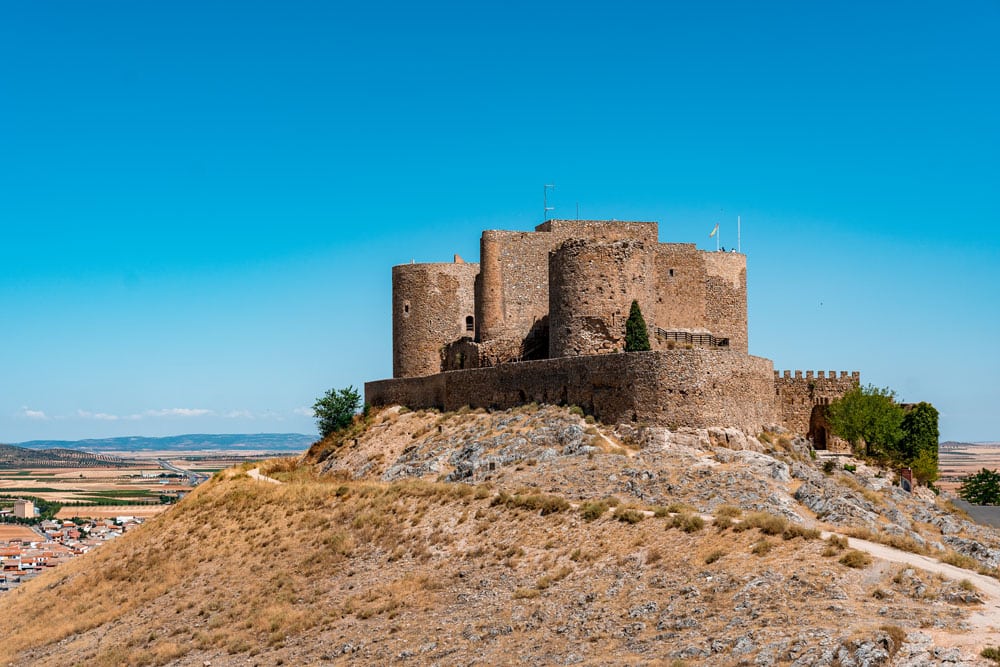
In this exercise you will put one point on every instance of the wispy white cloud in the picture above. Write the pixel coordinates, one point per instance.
(183, 413)
(179, 412)
(105, 416)
(28, 413)
(165, 412)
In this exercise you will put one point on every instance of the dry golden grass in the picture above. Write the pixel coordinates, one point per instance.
(258, 570)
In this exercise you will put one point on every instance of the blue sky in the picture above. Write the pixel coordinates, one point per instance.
(200, 202)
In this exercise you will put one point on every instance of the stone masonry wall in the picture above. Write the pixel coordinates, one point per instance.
(513, 290)
(591, 287)
(430, 304)
(797, 395)
(680, 277)
(726, 297)
(695, 388)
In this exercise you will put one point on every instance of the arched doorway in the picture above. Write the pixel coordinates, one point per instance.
(818, 427)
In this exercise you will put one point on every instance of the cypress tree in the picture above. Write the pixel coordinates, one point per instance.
(636, 334)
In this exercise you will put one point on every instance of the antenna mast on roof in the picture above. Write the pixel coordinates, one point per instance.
(545, 201)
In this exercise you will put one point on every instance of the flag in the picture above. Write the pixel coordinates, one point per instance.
(715, 230)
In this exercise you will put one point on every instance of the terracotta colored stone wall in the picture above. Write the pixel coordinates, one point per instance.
(680, 275)
(726, 297)
(695, 388)
(430, 304)
(513, 291)
(591, 287)
(797, 394)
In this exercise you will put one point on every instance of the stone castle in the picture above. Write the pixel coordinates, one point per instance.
(542, 317)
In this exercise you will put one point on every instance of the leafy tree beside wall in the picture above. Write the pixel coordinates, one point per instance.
(919, 445)
(636, 333)
(335, 410)
(871, 420)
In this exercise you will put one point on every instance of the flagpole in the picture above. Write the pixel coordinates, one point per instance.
(718, 235)
(739, 236)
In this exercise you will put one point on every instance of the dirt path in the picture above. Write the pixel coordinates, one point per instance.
(985, 620)
(254, 473)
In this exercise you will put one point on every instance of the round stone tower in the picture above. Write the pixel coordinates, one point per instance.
(432, 305)
(591, 286)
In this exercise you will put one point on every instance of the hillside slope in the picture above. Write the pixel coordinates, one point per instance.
(522, 537)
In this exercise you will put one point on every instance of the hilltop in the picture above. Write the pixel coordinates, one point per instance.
(528, 536)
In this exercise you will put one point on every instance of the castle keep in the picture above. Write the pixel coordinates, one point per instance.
(542, 317)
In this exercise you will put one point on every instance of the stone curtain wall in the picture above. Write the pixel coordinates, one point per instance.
(796, 394)
(591, 287)
(695, 388)
(430, 304)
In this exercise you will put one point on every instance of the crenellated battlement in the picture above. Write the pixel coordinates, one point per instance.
(819, 375)
(802, 397)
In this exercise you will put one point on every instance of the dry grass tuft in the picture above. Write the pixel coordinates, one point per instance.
(714, 555)
(543, 503)
(730, 511)
(768, 524)
(856, 559)
(629, 514)
(593, 510)
(687, 521)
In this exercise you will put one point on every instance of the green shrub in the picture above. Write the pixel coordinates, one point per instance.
(991, 653)
(636, 334)
(335, 409)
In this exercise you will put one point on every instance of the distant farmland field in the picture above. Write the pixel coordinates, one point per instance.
(957, 461)
(12, 532)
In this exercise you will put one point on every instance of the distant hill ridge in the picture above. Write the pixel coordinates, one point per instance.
(950, 444)
(12, 456)
(251, 441)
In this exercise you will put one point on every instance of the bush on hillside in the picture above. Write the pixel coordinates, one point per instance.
(335, 409)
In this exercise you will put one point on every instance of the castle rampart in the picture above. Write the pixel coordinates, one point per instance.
(696, 388)
(802, 401)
